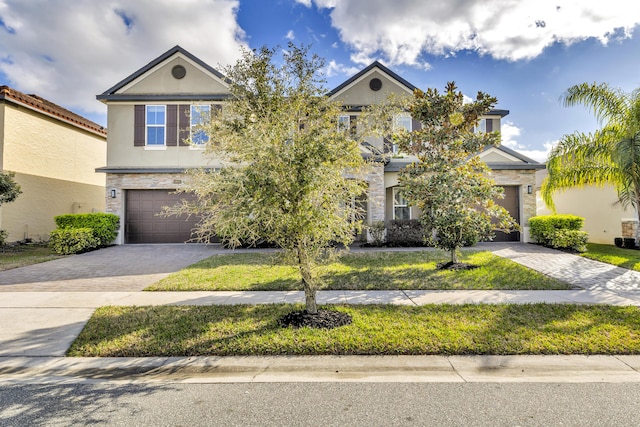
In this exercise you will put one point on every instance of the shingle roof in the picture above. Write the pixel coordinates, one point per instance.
(40, 104)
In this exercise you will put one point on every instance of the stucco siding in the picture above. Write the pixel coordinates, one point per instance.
(361, 94)
(122, 153)
(38, 145)
(31, 214)
(602, 216)
(160, 81)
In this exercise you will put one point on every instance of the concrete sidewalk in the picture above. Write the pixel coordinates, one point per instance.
(45, 306)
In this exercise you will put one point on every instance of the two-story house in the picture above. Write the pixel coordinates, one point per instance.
(53, 153)
(152, 112)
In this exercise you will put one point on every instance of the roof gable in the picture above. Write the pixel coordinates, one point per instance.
(157, 79)
(502, 157)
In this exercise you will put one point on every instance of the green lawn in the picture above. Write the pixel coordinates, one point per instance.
(23, 255)
(357, 271)
(376, 330)
(625, 258)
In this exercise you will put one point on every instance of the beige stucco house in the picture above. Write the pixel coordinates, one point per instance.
(150, 114)
(53, 153)
(603, 217)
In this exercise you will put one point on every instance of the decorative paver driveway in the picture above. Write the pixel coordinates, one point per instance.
(577, 271)
(116, 268)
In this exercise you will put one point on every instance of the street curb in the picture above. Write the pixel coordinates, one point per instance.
(256, 369)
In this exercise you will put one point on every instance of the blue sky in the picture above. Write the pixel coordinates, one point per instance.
(526, 53)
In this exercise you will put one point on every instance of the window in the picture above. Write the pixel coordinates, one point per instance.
(400, 208)
(344, 123)
(156, 117)
(481, 126)
(401, 122)
(199, 115)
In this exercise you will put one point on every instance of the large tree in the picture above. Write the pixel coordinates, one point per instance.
(291, 172)
(449, 183)
(610, 155)
(9, 189)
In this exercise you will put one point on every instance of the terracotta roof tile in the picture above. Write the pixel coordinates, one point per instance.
(39, 103)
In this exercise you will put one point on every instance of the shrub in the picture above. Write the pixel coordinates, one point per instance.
(376, 230)
(105, 226)
(559, 231)
(572, 239)
(66, 241)
(405, 232)
(3, 237)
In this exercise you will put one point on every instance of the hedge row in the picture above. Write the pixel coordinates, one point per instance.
(559, 231)
(77, 233)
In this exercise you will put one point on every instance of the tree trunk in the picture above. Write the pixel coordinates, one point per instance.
(454, 256)
(307, 283)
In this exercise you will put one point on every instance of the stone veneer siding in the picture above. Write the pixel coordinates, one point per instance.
(171, 181)
(521, 178)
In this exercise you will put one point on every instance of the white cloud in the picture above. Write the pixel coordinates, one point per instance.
(306, 3)
(290, 35)
(334, 69)
(400, 31)
(68, 51)
(510, 133)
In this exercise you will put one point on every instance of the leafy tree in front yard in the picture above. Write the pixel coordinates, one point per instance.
(9, 189)
(291, 172)
(450, 183)
(610, 155)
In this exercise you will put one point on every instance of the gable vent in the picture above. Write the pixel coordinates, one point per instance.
(375, 84)
(178, 72)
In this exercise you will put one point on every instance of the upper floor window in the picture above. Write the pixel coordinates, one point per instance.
(199, 115)
(484, 125)
(401, 122)
(156, 122)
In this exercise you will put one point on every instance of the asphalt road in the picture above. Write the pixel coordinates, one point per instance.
(321, 404)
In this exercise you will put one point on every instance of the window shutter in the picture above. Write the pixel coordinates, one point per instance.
(139, 126)
(184, 124)
(353, 125)
(415, 124)
(489, 125)
(172, 125)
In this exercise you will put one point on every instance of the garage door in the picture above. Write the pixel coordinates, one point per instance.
(143, 225)
(511, 203)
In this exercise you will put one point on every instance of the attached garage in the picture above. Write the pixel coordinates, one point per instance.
(511, 203)
(144, 225)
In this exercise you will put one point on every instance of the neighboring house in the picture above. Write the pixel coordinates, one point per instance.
(603, 217)
(53, 153)
(150, 114)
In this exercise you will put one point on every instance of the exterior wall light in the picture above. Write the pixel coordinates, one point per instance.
(529, 189)
(113, 193)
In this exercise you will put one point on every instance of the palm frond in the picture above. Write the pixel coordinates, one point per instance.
(606, 103)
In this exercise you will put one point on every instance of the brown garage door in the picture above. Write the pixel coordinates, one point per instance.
(143, 225)
(511, 203)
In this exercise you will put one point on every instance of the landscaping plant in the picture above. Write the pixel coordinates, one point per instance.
(449, 183)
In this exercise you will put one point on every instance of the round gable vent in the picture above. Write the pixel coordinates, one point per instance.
(178, 72)
(375, 84)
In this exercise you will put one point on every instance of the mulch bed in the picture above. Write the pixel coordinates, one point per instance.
(324, 319)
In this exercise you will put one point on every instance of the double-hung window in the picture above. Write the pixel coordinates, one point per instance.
(156, 123)
(401, 122)
(401, 209)
(481, 126)
(199, 116)
(344, 123)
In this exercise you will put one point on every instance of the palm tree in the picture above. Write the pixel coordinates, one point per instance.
(610, 155)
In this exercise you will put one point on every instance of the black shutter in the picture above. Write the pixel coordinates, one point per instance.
(172, 125)
(353, 125)
(184, 123)
(415, 124)
(139, 126)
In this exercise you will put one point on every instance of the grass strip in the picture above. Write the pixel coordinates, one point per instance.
(357, 271)
(376, 330)
(625, 258)
(21, 256)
